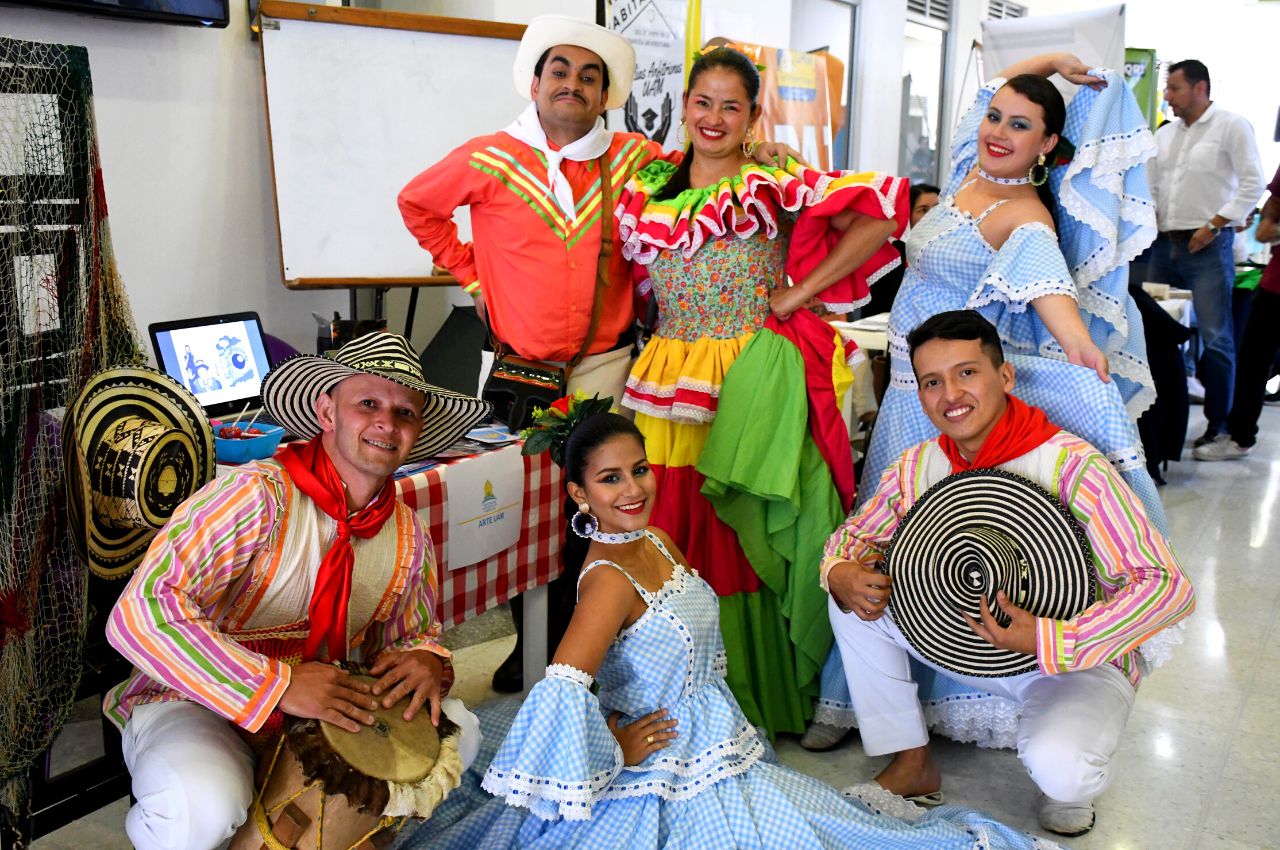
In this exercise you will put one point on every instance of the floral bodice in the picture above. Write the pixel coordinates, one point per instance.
(722, 291)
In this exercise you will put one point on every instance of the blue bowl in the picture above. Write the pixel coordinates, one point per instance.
(249, 448)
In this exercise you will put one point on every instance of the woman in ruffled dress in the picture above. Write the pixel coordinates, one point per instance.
(717, 239)
(660, 756)
(1042, 251)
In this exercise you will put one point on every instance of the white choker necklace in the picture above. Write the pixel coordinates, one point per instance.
(1004, 181)
(624, 537)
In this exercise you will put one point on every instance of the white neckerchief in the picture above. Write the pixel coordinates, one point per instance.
(528, 129)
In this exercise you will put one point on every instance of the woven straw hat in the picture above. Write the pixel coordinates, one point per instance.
(969, 535)
(546, 31)
(137, 444)
(290, 390)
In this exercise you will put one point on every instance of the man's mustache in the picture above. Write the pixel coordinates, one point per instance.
(574, 95)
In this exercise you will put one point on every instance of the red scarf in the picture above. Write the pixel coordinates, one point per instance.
(311, 470)
(1021, 429)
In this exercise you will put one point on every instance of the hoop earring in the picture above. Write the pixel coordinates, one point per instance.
(682, 134)
(749, 142)
(584, 523)
(1038, 178)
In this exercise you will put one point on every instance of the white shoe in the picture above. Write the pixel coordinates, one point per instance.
(1069, 819)
(1222, 448)
(820, 737)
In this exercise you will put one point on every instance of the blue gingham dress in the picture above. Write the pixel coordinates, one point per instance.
(1105, 218)
(560, 781)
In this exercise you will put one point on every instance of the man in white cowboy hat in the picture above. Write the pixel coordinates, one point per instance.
(267, 574)
(1081, 673)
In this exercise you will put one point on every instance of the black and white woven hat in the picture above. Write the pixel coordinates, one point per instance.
(136, 444)
(290, 390)
(969, 535)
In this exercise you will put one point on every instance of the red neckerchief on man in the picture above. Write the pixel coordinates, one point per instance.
(309, 466)
(1021, 429)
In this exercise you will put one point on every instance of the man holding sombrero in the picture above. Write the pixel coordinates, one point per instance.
(272, 571)
(1012, 558)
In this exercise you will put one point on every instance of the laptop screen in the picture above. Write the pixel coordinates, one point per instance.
(221, 359)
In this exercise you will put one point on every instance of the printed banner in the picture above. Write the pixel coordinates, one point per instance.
(485, 497)
(800, 96)
(1143, 76)
(656, 29)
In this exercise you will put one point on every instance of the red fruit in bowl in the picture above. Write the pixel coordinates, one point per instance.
(231, 432)
(254, 432)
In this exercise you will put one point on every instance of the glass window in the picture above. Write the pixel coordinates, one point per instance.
(923, 59)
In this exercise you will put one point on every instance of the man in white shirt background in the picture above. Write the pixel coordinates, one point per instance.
(1206, 178)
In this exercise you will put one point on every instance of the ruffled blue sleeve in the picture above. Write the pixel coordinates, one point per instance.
(1028, 265)
(560, 754)
(964, 142)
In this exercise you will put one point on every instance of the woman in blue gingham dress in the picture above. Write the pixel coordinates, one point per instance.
(601, 770)
(1105, 217)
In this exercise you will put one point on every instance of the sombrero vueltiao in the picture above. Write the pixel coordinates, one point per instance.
(290, 390)
(969, 535)
(136, 445)
(547, 31)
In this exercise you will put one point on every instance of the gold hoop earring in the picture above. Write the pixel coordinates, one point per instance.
(749, 142)
(682, 134)
(1038, 178)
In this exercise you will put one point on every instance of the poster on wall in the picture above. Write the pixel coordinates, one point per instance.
(1142, 75)
(800, 96)
(656, 28)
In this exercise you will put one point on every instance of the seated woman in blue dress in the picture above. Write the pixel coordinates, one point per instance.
(1041, 249)
(633, 740)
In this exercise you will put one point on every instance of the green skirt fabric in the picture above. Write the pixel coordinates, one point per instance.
(768, 481)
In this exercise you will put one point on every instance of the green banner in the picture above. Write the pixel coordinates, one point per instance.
(1143, 76)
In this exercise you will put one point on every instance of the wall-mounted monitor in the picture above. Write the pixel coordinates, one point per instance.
(206, 13)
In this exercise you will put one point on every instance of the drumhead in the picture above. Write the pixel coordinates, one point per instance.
(390, 749)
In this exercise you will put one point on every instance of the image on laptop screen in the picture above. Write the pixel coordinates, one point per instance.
(220, 359)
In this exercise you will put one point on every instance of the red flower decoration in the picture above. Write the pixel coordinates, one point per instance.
(561, 405)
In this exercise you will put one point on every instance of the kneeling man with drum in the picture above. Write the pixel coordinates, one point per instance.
(272, 572)
(1013, 558)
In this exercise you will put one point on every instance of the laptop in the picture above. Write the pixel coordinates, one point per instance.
(220, 359)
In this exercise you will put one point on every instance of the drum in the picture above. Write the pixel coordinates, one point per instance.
(321, 787)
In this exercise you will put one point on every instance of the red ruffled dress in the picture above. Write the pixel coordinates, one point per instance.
(712, 257)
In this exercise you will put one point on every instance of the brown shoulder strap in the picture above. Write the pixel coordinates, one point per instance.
(602, 268)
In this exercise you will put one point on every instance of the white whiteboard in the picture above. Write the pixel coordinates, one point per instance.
(354, 113)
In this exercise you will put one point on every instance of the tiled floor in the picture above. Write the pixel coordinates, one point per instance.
(1201, 764)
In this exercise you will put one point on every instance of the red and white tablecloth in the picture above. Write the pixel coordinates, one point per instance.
(533, 561)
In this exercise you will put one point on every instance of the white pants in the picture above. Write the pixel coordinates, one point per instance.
(1070, 726)
(193, 773)
(604, 374)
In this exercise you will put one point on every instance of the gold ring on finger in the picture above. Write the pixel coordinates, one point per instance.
(648, 739)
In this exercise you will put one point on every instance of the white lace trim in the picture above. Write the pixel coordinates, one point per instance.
(982, 719)
(882, 802)
(1158, 649)
(573, 799)
(714, 764)
(720, 665)
(569, 673)
(832, 713)
(689, 414)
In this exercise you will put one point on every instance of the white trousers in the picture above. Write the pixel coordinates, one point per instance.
(193, 773)
(605, 374)
(1070, 726)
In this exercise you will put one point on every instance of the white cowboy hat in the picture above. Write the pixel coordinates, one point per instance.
(290, 390)
(546, 31)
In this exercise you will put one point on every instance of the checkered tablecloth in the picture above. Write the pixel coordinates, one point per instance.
(534, 560)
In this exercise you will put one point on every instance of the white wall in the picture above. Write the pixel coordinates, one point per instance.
(184, 159)
(1234, 38)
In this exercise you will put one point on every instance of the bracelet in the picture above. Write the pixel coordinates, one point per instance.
(1213, 228)
(472, 288)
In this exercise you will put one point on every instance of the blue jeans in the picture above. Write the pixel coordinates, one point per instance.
(1210, 275)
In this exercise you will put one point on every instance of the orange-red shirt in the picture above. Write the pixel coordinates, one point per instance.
(536, 266)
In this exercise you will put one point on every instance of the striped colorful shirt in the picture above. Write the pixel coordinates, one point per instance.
(1142, 587)
(536, 266)
(235, 565)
